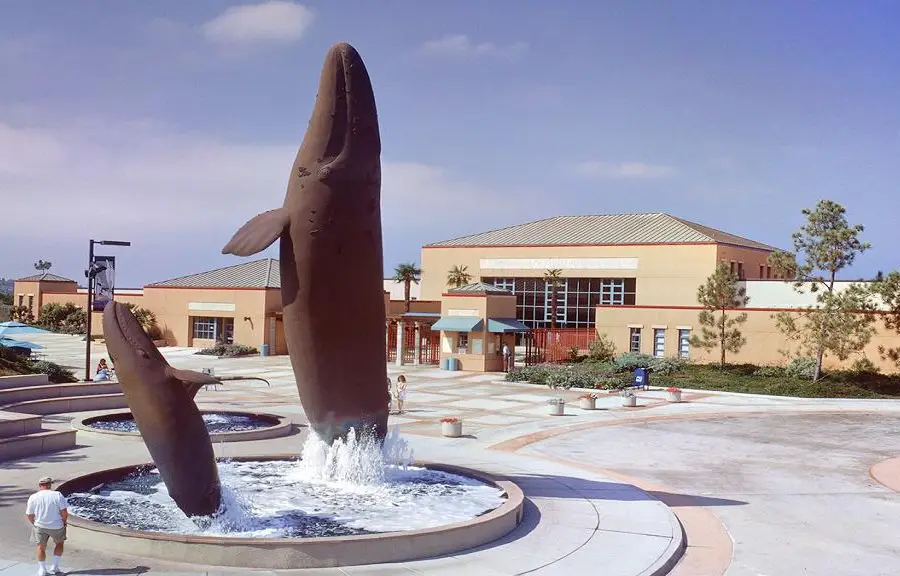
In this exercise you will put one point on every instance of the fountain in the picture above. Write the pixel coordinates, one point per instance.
(354, 495)
(221, 425)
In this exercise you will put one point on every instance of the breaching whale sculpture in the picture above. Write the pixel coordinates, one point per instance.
(161, 399)
(331, 255)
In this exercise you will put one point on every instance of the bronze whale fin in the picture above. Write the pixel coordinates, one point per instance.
(191, 380)
(259, 233)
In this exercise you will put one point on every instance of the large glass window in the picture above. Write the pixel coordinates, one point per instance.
(576, 299)
(659, 342)
(204, 328)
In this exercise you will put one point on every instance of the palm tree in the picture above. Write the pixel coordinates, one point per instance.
(458, 276)
(406, 273)
(554, 280)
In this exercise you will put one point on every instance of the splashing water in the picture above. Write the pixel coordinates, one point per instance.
(351, 487)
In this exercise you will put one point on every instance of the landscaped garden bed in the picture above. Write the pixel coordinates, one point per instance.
(794, 379)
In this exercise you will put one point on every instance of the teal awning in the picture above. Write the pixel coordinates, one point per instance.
(503, 325)
(459, 324)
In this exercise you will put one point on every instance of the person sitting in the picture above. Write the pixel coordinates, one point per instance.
(103, 371)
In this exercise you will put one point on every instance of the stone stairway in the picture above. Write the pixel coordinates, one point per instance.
(34, 394)
(23, 399)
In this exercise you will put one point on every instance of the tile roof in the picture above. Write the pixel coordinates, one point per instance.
(478, 288)
(44, 277)
(263, 273)
(606, 229)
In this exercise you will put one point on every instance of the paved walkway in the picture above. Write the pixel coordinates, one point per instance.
(762, 485)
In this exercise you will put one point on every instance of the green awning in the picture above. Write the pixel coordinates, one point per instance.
(503, 325)
(459, 324)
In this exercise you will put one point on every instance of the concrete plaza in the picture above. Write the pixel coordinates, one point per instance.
(759, 485)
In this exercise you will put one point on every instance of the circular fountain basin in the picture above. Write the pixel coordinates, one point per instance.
(440, 509)
(222, 425)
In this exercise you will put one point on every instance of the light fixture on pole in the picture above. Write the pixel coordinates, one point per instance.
(93, 269)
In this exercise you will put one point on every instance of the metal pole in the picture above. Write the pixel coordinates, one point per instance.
(89, 310)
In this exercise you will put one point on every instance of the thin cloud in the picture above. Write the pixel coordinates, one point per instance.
(624, 170)
(461, 46)
(276, 21)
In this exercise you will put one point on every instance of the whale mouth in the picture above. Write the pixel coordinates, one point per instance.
(344, 123)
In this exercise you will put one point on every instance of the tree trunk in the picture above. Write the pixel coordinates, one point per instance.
(722, 340)
(406, 284)
(553, 309)
(820, 353)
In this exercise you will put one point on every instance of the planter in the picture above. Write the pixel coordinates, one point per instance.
(629, 401)
(587, 403)
(557, 409)
(673, 396)
(451, 429)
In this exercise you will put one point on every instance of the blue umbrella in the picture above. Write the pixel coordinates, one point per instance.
(10, 343)
(19, 328)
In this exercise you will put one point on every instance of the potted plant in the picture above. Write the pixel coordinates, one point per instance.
(673, 394)
(629, 399)
(588, 401)
(451, 427)
(557, 406)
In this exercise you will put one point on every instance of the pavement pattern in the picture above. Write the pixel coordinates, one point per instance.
(761, 485)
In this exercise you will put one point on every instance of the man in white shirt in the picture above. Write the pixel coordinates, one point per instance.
(506, 357)
(48, 514)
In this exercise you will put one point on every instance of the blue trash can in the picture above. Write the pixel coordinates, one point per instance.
(445, 364)
(641, 378)
(264, 350)
(453, 364)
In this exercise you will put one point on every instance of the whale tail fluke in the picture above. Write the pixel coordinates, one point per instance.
(259, 233)
(191, 380)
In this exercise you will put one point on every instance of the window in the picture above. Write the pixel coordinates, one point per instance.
(659, 342)
(462, 343)
(229, 330)
(21, 300)
(576, 299)
(733, 266)
(768, 271)
(634, 340)
(740, 270)
(31, 302)
(762, 271)
(684, 344)
(205, 328)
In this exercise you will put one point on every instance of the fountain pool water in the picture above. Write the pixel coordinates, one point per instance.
(349, 488)
(216, 422)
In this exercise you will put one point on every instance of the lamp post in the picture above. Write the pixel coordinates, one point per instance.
(90, 273)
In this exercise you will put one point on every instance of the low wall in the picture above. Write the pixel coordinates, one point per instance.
(23, 380)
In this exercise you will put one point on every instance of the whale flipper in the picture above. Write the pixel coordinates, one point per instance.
(259, 233)
(191, 380)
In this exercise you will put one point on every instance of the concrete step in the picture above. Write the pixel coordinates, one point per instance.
(13, 424)
(36, 443)
(68, 404)
(23, 381)
(23, 394)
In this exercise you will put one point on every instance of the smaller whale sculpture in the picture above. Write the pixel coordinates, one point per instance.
(161, 399)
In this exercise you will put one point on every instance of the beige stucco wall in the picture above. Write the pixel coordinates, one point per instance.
(750, 258)
(39, 290)
(665, 274)
(764, 341)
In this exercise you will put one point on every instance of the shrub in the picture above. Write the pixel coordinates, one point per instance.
(769, 372)
(602, 349)
(63, 318)
(864, 366)
(229, 350)
(56, 373)
(802, 368)
(629, 361)
(664, 366)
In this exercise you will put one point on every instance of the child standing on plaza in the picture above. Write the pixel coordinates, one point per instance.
(401, 392)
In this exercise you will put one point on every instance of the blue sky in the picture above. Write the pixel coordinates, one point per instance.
(170, 123)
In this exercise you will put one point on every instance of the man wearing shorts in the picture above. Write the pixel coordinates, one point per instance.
(48, 514)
